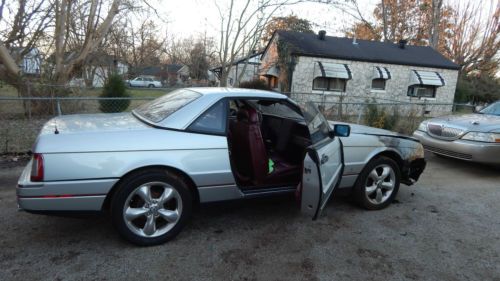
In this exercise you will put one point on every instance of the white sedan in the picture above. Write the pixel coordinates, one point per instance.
(148, 82)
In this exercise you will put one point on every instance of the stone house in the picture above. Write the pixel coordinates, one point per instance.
(251, 71)
(319, 67)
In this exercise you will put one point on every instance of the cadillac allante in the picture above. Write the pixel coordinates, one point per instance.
(149, 167)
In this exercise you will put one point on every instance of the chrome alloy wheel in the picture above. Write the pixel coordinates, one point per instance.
(152, 209)
(380, 184)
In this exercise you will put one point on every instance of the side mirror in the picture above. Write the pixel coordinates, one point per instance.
(341, 130)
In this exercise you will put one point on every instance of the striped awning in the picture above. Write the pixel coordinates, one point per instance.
(430, 78)
(380, 72)
(332, 70)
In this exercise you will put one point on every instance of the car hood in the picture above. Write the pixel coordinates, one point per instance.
(366, 130)
(92, 123)
(470, 122)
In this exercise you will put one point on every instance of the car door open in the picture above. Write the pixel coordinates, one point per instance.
(323, 163)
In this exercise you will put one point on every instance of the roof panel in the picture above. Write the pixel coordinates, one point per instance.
(308, 44)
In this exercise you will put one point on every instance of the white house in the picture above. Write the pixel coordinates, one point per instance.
(250, 72)
(30, 63)
(97, 69)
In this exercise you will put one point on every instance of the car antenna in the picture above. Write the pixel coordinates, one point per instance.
(55, 128)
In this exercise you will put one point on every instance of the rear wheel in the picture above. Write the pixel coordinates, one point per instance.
(151, 86)
(151, 207)
(378, 184)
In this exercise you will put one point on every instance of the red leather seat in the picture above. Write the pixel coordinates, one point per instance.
(249, 154)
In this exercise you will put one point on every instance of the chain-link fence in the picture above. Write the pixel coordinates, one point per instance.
(401, 115)
(21, 117)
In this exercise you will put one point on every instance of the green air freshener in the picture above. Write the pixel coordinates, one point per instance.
(271, 166)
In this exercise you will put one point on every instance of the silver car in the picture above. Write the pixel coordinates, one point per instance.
(472, 137)
(144, 81)
(149, 167)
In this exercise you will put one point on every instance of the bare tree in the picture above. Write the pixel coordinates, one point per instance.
(436, 9)
(96, 28)
(72, 26)
(475, 41)
(241, 27)
(23, 30)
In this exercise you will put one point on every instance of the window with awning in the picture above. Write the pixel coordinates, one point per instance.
(428, 78)
(380, 72)
(331, 76)
(379, 77)
(332, 70)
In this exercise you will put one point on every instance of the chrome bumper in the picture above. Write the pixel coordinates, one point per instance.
(78, 195)
(461, 149)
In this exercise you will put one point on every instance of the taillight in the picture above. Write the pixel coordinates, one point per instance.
(37, 167)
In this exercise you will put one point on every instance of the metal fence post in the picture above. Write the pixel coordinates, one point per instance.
(29, 100)
(359, 113)
(58, 104)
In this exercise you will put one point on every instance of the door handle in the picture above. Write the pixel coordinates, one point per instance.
(324, 159)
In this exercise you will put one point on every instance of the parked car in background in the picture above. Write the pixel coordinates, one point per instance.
(149, 167)
(472, 137)
(144, 81)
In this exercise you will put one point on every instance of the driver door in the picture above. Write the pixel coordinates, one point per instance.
(323, 163)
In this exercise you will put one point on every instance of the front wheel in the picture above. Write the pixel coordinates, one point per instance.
(151, 207)
(151, 86)
(378, 184)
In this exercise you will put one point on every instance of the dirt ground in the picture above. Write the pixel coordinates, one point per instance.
(446, 227)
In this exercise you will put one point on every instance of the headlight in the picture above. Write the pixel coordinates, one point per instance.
(484, 137)
(422, 127)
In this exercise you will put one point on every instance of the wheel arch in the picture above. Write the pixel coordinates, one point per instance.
(392, 155)
(178, 172)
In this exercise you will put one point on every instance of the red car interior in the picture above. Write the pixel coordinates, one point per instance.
(250, 156)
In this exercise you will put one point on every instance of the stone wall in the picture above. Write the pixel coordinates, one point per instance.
(358, 89)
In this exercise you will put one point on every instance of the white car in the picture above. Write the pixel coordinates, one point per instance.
(141, 81)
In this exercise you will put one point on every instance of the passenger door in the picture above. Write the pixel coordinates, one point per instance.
(323, 163)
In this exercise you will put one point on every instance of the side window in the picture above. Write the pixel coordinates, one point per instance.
(212, 121)
(423, 91)
(317, 124)
(378, 84)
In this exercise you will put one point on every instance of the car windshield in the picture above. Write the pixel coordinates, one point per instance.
(492, 109)
(160, 108)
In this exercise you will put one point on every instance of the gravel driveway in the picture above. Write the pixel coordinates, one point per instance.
(446, 227)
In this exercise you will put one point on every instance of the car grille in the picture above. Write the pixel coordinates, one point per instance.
(448, 152)
(443, 132)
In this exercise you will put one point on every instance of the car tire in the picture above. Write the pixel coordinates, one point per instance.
(151, 207)
(130, 85)
(377, 184)
(151, 86)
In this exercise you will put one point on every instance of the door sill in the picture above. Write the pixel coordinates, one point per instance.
(260, 192)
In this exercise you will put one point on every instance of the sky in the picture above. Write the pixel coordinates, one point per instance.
(197, 16)
(192, 17)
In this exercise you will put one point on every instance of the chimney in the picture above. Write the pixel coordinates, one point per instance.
(402, 44)
(321, 35)
(354, 42)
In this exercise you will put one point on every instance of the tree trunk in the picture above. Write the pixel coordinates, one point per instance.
(223, 77)
(384, 21)
(434, 27)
